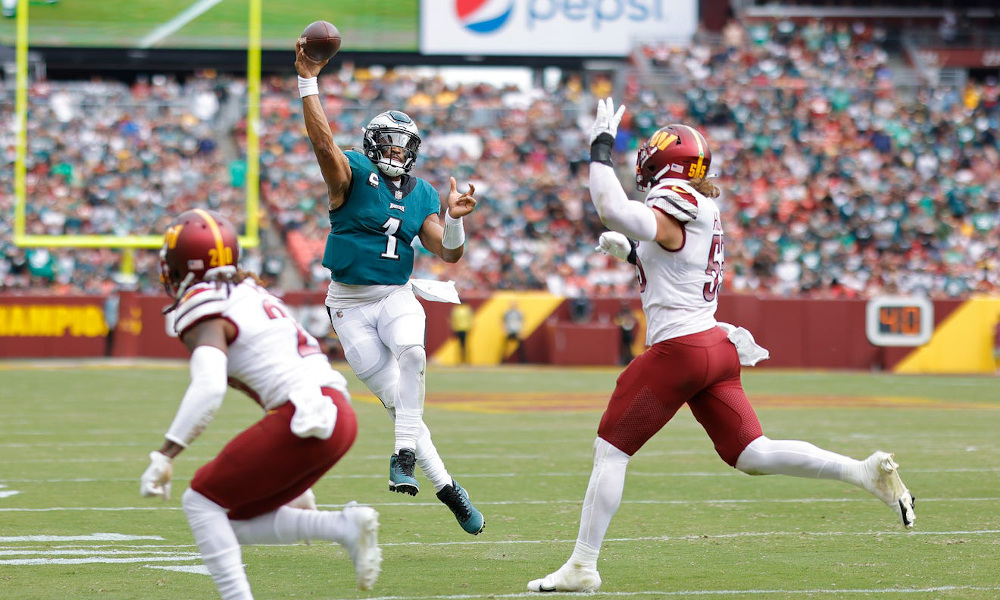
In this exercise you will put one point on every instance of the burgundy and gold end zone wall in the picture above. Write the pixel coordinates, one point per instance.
(823, 334)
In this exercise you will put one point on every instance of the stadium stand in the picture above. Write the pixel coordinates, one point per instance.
(846, 171)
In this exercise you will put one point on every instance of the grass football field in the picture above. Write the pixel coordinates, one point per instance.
(74, 439)
(376, 26)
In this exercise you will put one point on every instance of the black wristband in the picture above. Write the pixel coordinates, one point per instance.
(632, 257)
(600, 149)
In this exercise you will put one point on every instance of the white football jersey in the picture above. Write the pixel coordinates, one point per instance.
(679, 288)
(272, 354)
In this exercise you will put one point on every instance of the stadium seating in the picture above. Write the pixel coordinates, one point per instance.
(838, 180)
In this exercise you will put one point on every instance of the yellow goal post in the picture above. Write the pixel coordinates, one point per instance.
(129, 243)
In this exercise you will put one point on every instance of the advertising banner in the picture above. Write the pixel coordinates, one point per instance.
(598, 28)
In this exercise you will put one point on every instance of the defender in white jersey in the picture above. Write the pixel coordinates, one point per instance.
(691, 359)
(258, 489)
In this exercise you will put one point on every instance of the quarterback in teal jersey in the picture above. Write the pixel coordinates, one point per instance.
(377, 208)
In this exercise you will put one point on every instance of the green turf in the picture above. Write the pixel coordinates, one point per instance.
(374, 26)
(74, 441)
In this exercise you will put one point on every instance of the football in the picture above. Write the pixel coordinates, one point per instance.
(322, 40)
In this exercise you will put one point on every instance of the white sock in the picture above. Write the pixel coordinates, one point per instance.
(219, 547)
(584, 555)
(799, 459)
(430, 461)
(9, 5)
(604, 495)
(407, 429)
(287, 525)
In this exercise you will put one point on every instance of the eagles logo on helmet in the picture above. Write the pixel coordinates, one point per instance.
(673, 152)
(196, 242)
(388, 130)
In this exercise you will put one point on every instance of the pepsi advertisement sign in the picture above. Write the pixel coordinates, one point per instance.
(552, 27)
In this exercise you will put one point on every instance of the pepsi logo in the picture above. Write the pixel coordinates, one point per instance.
(483, 16)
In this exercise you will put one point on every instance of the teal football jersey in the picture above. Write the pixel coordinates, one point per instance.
(371, 233)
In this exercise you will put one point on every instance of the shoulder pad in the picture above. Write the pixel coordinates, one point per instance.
(202, 301)
(358, 160)
(675, 199)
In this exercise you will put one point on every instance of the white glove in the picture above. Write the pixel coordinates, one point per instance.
(607, 119)
(156, 480)
(615, 244)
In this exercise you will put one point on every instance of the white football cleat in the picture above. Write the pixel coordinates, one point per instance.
(364, 550)
(571, 577)
(884, 481)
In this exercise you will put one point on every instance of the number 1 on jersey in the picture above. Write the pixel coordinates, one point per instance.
(391, 226)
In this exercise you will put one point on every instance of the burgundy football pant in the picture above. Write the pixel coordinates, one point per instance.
(268, 466)
(701, 369)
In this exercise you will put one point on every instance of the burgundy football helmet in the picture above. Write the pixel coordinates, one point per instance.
(673, 152)
(196, 242)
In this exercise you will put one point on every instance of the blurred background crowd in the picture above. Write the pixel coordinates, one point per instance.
(837, 181)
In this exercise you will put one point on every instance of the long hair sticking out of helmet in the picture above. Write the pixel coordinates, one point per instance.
(199, 245)
(389, 130)
(675, 152)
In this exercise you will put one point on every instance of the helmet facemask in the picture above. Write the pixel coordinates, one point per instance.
(391, 142)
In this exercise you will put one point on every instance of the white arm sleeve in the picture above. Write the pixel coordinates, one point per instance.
(203, 396)
(617, 212)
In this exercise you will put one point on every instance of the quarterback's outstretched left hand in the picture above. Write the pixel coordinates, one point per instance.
(607, 119)
(155, 481)
(460, 204)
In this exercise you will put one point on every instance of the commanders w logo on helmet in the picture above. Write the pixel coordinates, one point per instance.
(674, 152)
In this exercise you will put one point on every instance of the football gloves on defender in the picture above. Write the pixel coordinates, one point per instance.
(617, 245)
(155, 481)
(607, 119)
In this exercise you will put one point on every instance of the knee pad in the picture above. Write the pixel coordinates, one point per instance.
(752, 458)
(413, 359)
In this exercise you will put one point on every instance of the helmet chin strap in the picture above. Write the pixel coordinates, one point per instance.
(185, 283)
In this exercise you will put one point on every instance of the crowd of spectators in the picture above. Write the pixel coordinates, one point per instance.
(836, 181)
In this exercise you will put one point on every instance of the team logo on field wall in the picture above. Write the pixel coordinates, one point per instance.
(483, 16)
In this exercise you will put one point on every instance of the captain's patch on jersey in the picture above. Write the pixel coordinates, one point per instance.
(373, 180)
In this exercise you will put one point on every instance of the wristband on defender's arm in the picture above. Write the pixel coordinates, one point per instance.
(600, 149)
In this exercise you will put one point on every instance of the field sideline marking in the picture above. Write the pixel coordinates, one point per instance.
(183, 18)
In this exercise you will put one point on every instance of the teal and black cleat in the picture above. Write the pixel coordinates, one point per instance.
(401, 477)
(456, 498)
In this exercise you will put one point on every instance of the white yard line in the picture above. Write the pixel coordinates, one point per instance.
(155, 505)
(186, 16)
(709, 593)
